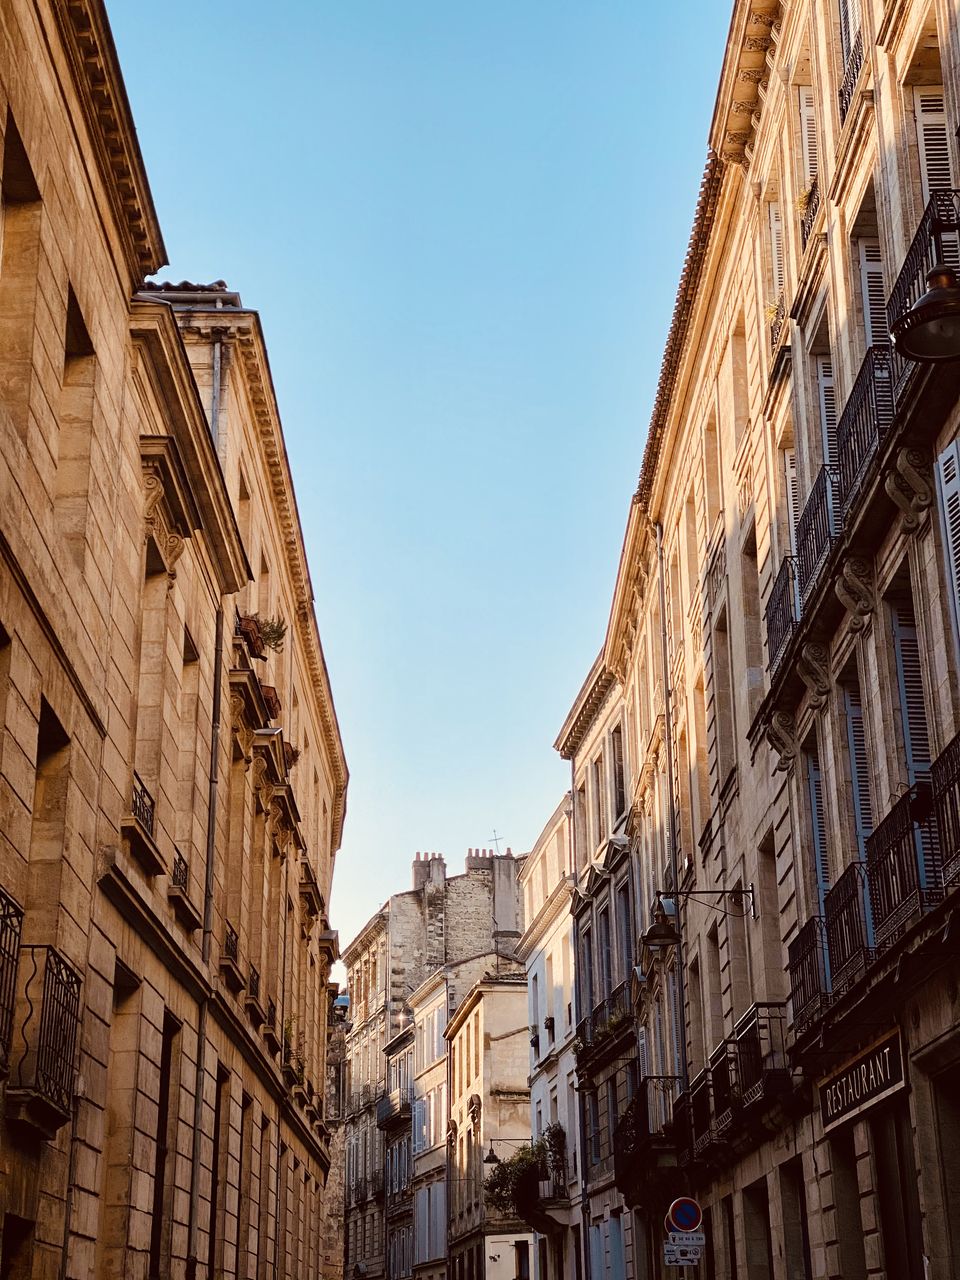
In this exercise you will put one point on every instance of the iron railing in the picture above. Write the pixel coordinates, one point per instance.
(864, 422)
(231, 944)
(782, 612)
(46, 1068)
(180, 872)
(760, 1038)
(253, 983)
(851, 74)
(270, 1021)
(142, 804)
(700, 1112)
(394, 1105)
(777, 321)
(936, 241)
(817, 528)
(810, 210)
(945, 780)
(849, 927)
(808, 967)
(724, 1085)
(903, 865)
(11, 924)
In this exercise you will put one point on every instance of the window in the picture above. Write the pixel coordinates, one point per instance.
(593, 1126)
(791, 490)
(619, 790)
(586, 973)
(859, 762)
(873, 291)
(818, 823)
(948, 486)
(827, 401)
(776, 248)
(604, 957)
(624, 930)
(599, 800)
(808, 136)
(913, 719)
(76, 424)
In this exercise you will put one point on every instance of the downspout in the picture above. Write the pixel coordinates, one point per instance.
(674, 866)
(209, 880)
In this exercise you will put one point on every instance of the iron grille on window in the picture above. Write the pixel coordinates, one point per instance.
(11, 922)
(851, 75)
(46, 1066)
(142, 805)
(231, 944)
(181, 870)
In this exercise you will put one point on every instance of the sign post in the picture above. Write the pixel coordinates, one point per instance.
(685, 1241)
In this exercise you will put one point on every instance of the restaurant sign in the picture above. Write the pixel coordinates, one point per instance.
(872, 1075)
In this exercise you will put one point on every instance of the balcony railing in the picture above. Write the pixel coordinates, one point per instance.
(777, 321)
(864, 423)
(180, 872)
(903, 865)
(936, 241)
(253, 983)
(393, 1105)
(849, 927)
(701, 1112)
(724, 1084)
(142, 805)
(808, 967)
(817, 528)
(231, 944)
(11, 923)
(40, 1092)
(810, 209)
(644, 1139)
(851, 74)
(782, 611)
(760, 1038)
(945, 780)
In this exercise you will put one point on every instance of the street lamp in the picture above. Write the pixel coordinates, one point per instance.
(492, 1158)
(930, 331)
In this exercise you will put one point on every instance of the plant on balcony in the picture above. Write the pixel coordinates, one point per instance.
(803, 199)
(513, 1181)
(555, 1142)
(771, 311)
(273, 632)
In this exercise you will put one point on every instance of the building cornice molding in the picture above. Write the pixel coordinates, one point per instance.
(86, 38)
(374, 927)
(751, 45)
(593, 694)
(556, 906)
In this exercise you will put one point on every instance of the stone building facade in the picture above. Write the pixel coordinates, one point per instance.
(457, 927)
(172, 778)
(783, 637)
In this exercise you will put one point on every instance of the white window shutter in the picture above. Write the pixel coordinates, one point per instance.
(827, 394)
(931, 116)
(874, 292)
(791, 487)
(948, 483)
(776, 247)
(808, 135)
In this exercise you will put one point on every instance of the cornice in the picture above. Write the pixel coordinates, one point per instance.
(555, 907)
(751, 43)
(374, 927)
(88, 43)
(589, 700)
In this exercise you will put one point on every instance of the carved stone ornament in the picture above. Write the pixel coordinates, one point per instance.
(782, 736)
(907, 486)
(757, 44)
(854, 590)
(752, 75)
(474, 1109)
(156, 519)
(261, 786)
(279, 827)
(814, 671)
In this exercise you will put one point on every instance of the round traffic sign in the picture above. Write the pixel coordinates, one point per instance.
(685, 1214)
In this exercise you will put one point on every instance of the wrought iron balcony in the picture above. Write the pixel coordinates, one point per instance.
(817, 528)
(760, 1036)
(945, 780)
(808, 967)
(851, 74)
(810, 210)
(724, 1084)
(393, 1106)
(936, 240)
(11, 923)
(782, 612)
(864, 422)
(645, 1149)
(142, 805)
(701, 1112)
(777, 321)
(42, 1077)
(903, 865)
(849, 927)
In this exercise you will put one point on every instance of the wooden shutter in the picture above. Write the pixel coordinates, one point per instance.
(818, 825)
(931, 116)
(873, 291)
(808, 136)
(859, 765)
(791, 488)
(776, 247)
(948, 484)
(642, 1051)
(913, 717)
(827, 393)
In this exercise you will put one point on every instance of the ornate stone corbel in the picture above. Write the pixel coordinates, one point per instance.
(908, 487)
(814, 670)
(782, 736)
(474, 1109)
(854, 590)
(262, 787)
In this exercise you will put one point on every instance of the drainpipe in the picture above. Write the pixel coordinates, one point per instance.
(674, 867)
(208, 887)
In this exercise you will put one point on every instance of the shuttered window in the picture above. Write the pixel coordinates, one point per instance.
(776, 248)
(913, 717)
(818, 825)
(873, 292)
(808, 136)
(827, 397)
(791, 488)
(948, 483)
(859, 764)
(934, 150)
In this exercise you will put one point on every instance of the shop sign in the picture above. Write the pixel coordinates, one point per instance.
(872, 1075)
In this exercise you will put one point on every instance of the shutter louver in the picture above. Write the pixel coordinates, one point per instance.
(776, 248)
(913, 717)
(808, 136)
(828, 410)
(948, 482)
(874, 293)
(934, 148)
(818, 825)
(859, 765)
(792, 490)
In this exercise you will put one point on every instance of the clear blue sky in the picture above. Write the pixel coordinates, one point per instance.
(463, 225)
